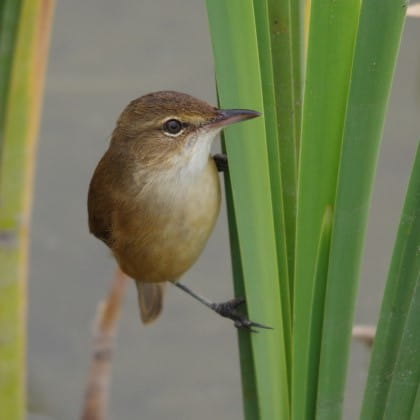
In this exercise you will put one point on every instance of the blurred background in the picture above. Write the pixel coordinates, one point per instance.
(185, 366)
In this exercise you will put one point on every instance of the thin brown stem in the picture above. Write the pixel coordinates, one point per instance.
(97, 390)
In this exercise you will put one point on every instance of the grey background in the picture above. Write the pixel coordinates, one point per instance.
(103, 54)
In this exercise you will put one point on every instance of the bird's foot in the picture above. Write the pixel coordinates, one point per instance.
(229, 310)
(221, 162)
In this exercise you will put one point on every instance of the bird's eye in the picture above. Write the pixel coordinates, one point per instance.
(172, 127)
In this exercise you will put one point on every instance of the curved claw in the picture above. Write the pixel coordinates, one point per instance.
(228, 310)
(247, 324)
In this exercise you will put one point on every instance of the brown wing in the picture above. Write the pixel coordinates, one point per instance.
(100, 204)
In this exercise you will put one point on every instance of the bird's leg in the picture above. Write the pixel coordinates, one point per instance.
(226, 309)
(221, 162)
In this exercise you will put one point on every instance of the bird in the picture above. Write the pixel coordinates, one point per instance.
(154, 196)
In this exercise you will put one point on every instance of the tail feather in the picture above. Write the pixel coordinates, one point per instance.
(150, 296)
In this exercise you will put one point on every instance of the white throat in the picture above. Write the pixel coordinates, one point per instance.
(196, 153)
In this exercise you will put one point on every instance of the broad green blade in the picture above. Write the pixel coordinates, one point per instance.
(406, 374)
(9, 18)
(378, 39)
(394, 372)
(238, 75)
(16, 169)
(246, 357)
(317, 305)
(284, 26)
(333, 26)
(262, 21)
(415, 414)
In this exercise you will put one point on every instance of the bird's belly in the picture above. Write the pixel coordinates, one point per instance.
(173, 234)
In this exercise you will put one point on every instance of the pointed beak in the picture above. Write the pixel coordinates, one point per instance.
(231, 116)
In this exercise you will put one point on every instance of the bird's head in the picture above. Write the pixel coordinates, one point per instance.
(167, 129)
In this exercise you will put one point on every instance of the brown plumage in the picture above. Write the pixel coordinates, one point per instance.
(154, 196)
